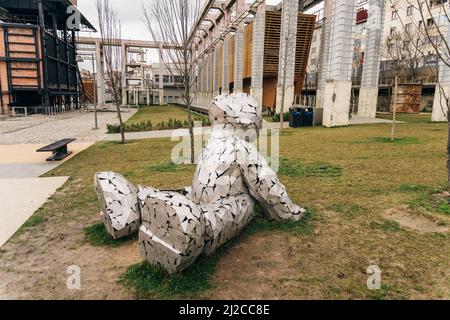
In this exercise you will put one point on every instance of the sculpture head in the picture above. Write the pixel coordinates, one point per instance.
(238, 109)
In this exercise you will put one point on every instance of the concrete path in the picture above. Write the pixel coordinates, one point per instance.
(46, 129)
(20, 198)
(366, 120)
(22, 192)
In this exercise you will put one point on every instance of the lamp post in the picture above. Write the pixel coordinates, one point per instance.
(95, 90)
(80, 59)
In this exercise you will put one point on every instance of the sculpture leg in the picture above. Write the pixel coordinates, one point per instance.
(225, 219)
(172, 230)
(118, 200)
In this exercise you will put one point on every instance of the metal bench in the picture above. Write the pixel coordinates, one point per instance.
(58, 148)
(25, 111)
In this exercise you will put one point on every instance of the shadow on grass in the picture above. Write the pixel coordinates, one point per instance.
(169, 167)
(293, 168)
(400, 141)
(153, 282)
(97, 236)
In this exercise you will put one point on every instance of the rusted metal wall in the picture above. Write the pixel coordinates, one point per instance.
(408, 98)
(17, 68)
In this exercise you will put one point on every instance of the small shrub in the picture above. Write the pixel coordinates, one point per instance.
(444, 208)
(113, 128)
(276, 117)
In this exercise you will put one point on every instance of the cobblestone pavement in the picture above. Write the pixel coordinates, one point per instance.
(47, 129)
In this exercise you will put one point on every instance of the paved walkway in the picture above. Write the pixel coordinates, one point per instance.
(47, 129)
(20, 198)
(22, 191)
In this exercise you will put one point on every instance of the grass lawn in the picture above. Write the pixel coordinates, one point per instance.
(370, 202)
(158, 114)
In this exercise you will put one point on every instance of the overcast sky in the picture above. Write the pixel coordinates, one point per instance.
(130, 15)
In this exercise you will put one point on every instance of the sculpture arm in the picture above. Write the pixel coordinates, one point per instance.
(264, 184)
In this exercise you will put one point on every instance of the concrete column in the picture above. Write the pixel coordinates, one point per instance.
(337, 89)
(124, 74)
(286, 67)
(259, 25)
(239, 50)
(100, 76)
(324, 53)
(212, 72)
(368, 93)
(216, 71)
(441, 94)
(442, 91)
(148, 97)
(226, 66)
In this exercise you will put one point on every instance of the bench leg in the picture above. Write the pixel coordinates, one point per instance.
(59, 154)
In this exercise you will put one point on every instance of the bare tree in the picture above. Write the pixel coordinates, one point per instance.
(170, 23)
(394, 50)
(111, 33)
(414, 47)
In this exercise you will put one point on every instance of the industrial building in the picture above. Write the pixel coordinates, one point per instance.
(38, 68)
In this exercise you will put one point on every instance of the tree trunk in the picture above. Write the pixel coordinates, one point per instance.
(191, 124)
(187, 83)
(394, 108)
(282, 106)
(119, 116)
(448, 146)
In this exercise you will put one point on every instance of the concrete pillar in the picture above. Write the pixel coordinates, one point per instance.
(442, 91)
(124, 53)
(211, 90)
(286, 66)
(216, 71)
(368, 93)
(324, 53)
(336, 94)
(441, 94)
(100, 76)
(136, 97)
(239, 50)
(226, 66)
(148, 97)
(259, 24)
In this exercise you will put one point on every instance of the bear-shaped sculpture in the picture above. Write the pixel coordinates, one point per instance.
(177, 227)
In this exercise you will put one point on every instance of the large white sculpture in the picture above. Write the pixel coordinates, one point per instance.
(118, 201)
(179, 226)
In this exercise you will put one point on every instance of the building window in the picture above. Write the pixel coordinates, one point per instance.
(437, 2)
(430, 22)
(408, 27)
(393, 30)
(409, 10)
(394, 15)
(166, 79)
(420, 24)
(157, 78)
